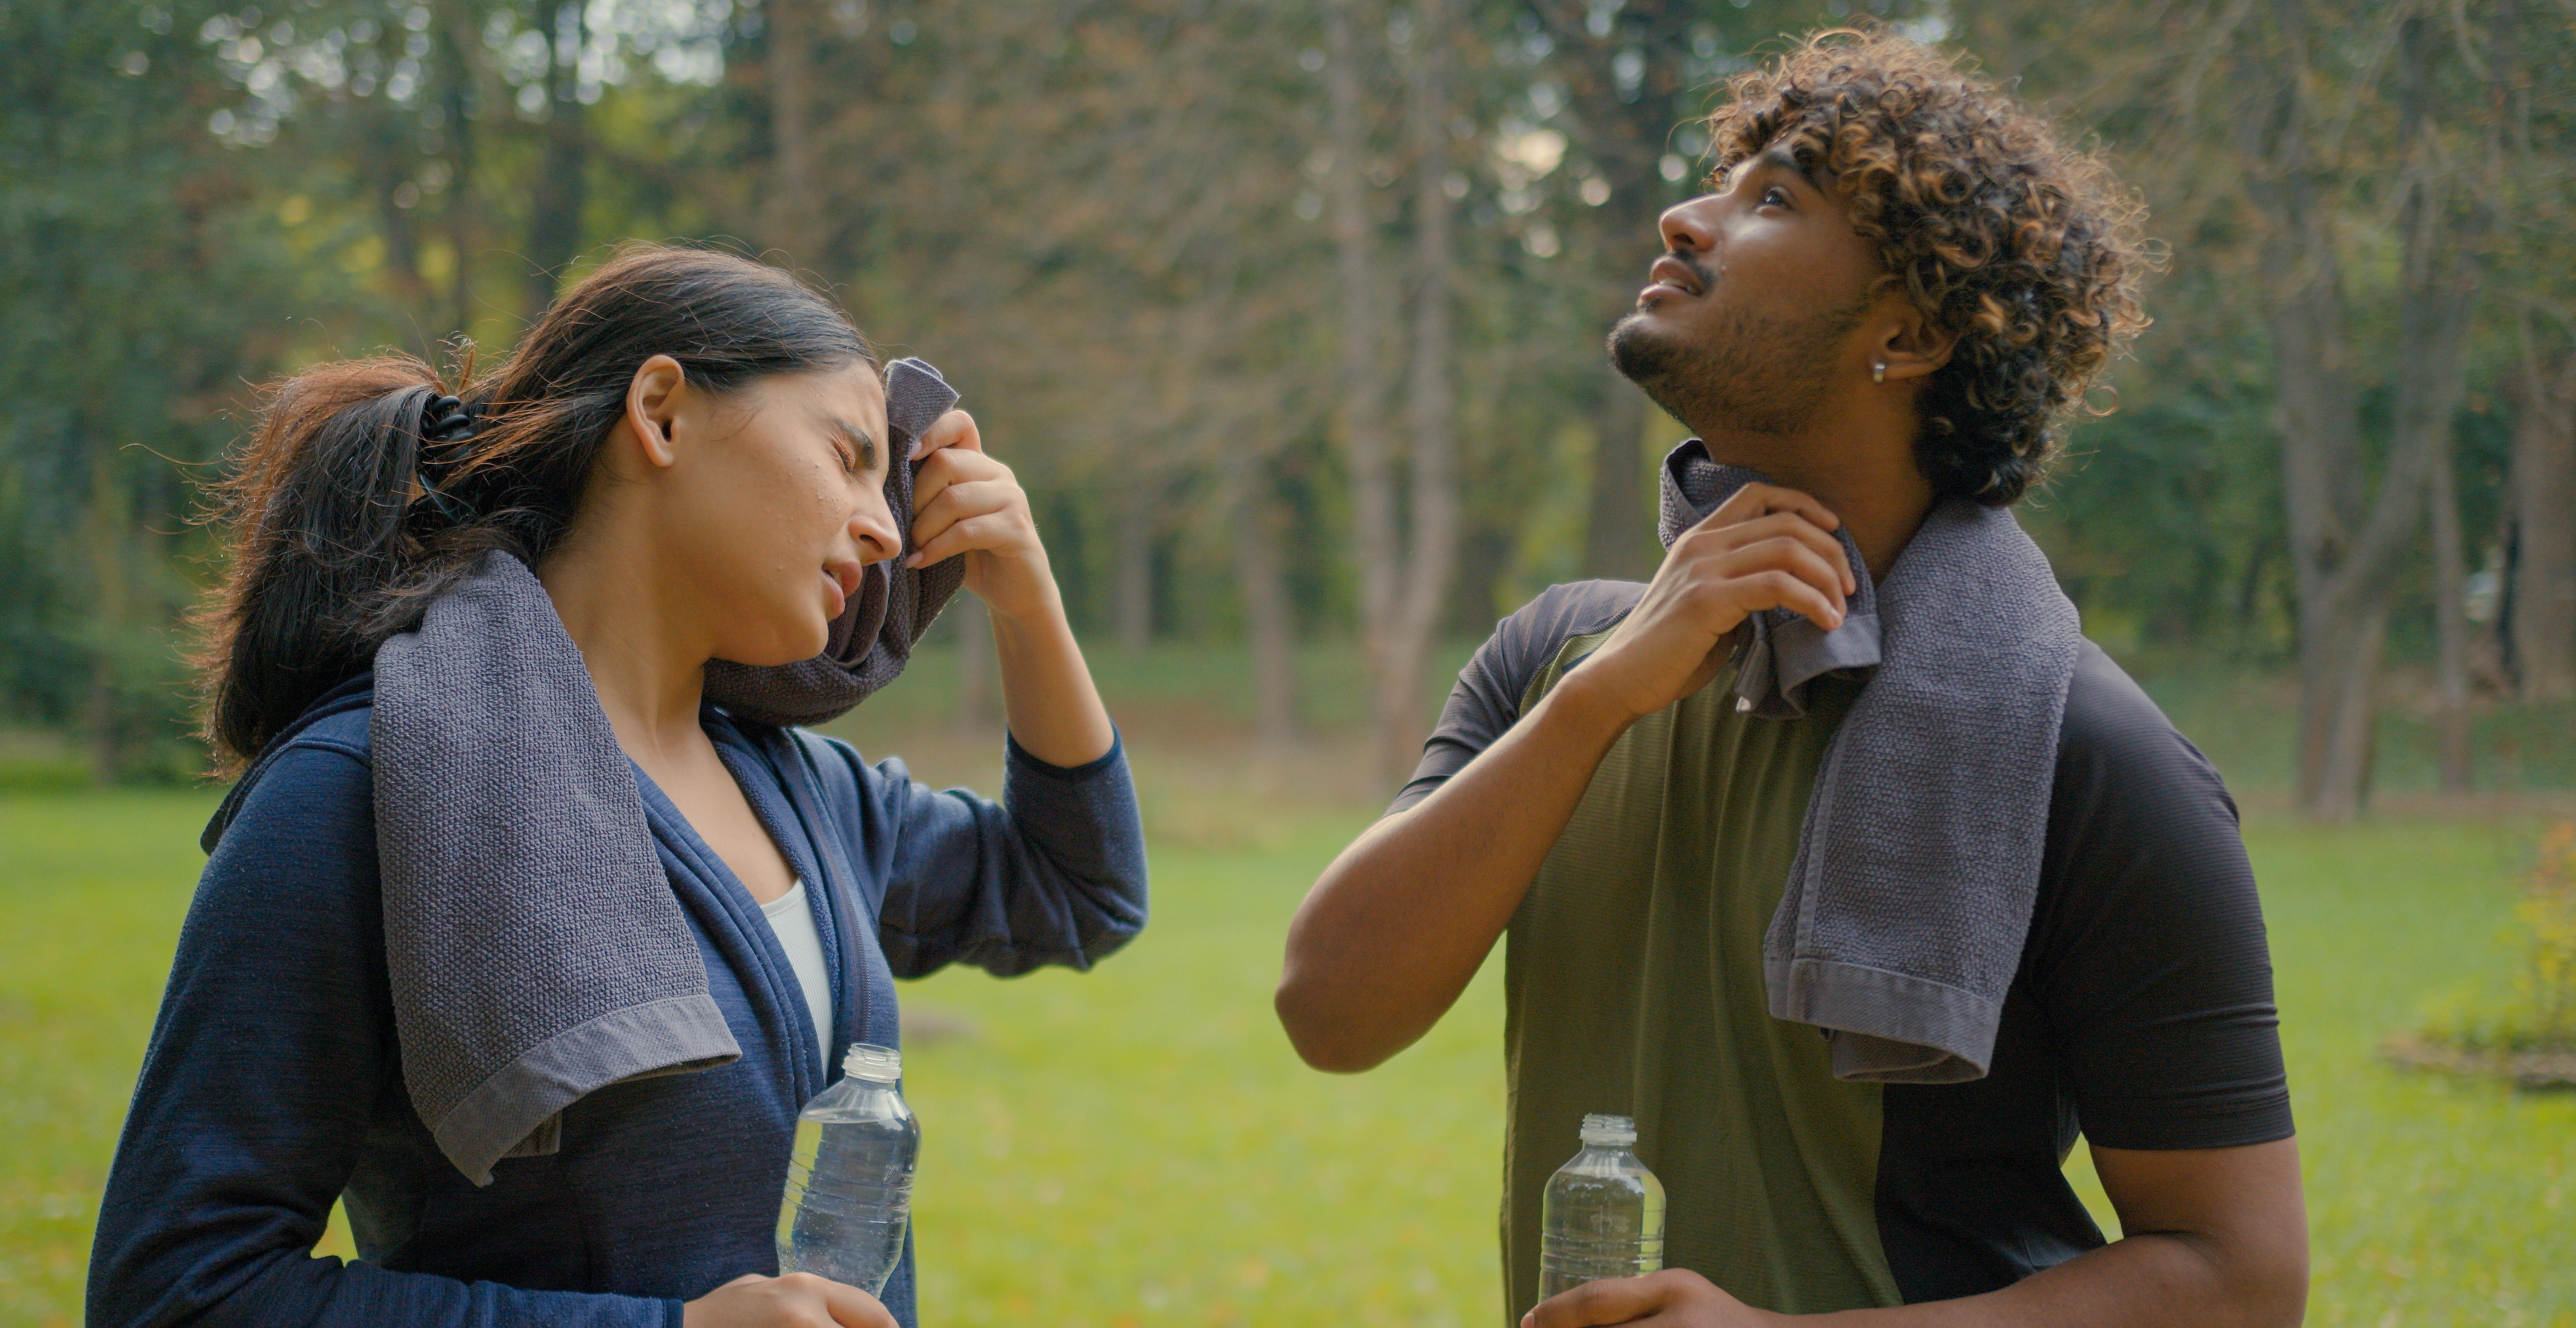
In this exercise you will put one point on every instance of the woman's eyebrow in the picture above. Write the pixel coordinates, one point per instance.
(861, 443)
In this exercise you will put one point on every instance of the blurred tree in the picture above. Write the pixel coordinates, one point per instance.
(1290, 314)
(139, 285)
(2540, 624)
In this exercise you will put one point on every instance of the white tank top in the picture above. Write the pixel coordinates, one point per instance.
(793, 920)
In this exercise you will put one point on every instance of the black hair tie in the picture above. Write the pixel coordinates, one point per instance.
(447, 424)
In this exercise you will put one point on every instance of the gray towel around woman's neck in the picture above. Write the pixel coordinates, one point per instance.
(1903, 918)
(536, 951)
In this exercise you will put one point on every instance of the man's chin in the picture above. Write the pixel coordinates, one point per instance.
(1643, 349)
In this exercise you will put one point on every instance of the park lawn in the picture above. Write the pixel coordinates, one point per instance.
(1138, 1146)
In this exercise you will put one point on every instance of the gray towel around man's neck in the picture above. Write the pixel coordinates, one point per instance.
(536, 951)
(1902, 922)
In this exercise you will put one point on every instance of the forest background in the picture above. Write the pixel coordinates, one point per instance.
(1288, 312)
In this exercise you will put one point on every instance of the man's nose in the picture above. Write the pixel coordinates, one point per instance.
(1686, 228)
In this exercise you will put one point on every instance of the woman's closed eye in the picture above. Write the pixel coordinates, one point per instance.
(857, 450)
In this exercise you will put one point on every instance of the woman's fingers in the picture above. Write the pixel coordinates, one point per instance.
(951, 466)
(992, 530)
(957, 501)
(956, 429)
(797, 1300)
(960, 504)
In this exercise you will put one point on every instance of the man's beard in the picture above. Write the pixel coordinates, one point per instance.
(1754, 374)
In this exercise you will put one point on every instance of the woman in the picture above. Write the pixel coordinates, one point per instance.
(531, 925)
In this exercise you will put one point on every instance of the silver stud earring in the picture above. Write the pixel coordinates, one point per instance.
(1878, 371)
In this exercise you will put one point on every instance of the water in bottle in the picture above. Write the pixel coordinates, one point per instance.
(849, 1183)
(1604, 1212)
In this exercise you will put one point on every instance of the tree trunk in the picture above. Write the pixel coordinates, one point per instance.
(387, 167)
(2342, 573)
(2344, 542)
(2439, 293)
(1431, 561)
(1617, 533)
(1375, 545)
(1131, 587)
(1269, 623)
(554, 226)
(2451, 620)
(792, 215)
(472, 82)
(2339, 674)
(2543, 592)
(111, 524)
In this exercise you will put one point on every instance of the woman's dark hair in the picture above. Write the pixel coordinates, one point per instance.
(341, 522)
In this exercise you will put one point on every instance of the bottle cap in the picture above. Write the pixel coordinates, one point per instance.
(1609, 1131)
(869, 1061)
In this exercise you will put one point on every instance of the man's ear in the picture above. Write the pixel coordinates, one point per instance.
(653, 401)
(1908, 344)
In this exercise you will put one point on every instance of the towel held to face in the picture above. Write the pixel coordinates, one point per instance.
(1902, 922)
(536, 950)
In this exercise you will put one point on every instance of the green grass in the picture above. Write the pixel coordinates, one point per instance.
(1137, 1145)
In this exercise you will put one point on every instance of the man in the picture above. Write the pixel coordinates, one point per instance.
(1899, 286)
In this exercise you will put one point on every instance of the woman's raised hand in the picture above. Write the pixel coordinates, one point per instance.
(798, 1300)
(965, 502)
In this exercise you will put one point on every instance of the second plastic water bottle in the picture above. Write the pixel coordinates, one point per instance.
(1603, 1215)
(849, 1182)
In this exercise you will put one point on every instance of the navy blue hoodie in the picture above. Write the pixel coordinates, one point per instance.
(273, 1084)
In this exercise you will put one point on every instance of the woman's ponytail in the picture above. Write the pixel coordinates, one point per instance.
(319, 513)
(365, 491)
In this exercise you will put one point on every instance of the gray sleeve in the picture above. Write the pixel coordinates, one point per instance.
(1487, 698)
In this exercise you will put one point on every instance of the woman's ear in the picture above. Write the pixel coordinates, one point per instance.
(653, 400)
(1908, 347)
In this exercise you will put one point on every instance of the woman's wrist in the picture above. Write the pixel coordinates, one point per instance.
(1048, 698)
(1039, 610)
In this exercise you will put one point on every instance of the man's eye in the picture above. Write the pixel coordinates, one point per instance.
(1775, 197)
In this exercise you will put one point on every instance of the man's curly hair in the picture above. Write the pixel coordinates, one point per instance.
(2023, 247)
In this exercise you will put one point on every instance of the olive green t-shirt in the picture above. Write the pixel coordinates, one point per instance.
(2141, 1014)
(1633, 986)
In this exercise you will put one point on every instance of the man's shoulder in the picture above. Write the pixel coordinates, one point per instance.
(2138, 818)
(1573, 608)
(1524, 643)
(2114, 736)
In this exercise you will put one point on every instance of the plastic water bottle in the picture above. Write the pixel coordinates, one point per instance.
(1604, 1212)
(849, 1183)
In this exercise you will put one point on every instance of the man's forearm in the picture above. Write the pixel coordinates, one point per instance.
(2144, 1281)
(1398, 925)
(2218, 1239)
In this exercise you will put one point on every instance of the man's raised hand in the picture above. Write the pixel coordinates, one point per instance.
(1765, 547)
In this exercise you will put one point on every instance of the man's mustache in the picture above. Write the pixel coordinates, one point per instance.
(1701, 273)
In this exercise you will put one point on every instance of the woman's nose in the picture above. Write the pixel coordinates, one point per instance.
(873, 529)
(1686, 228)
